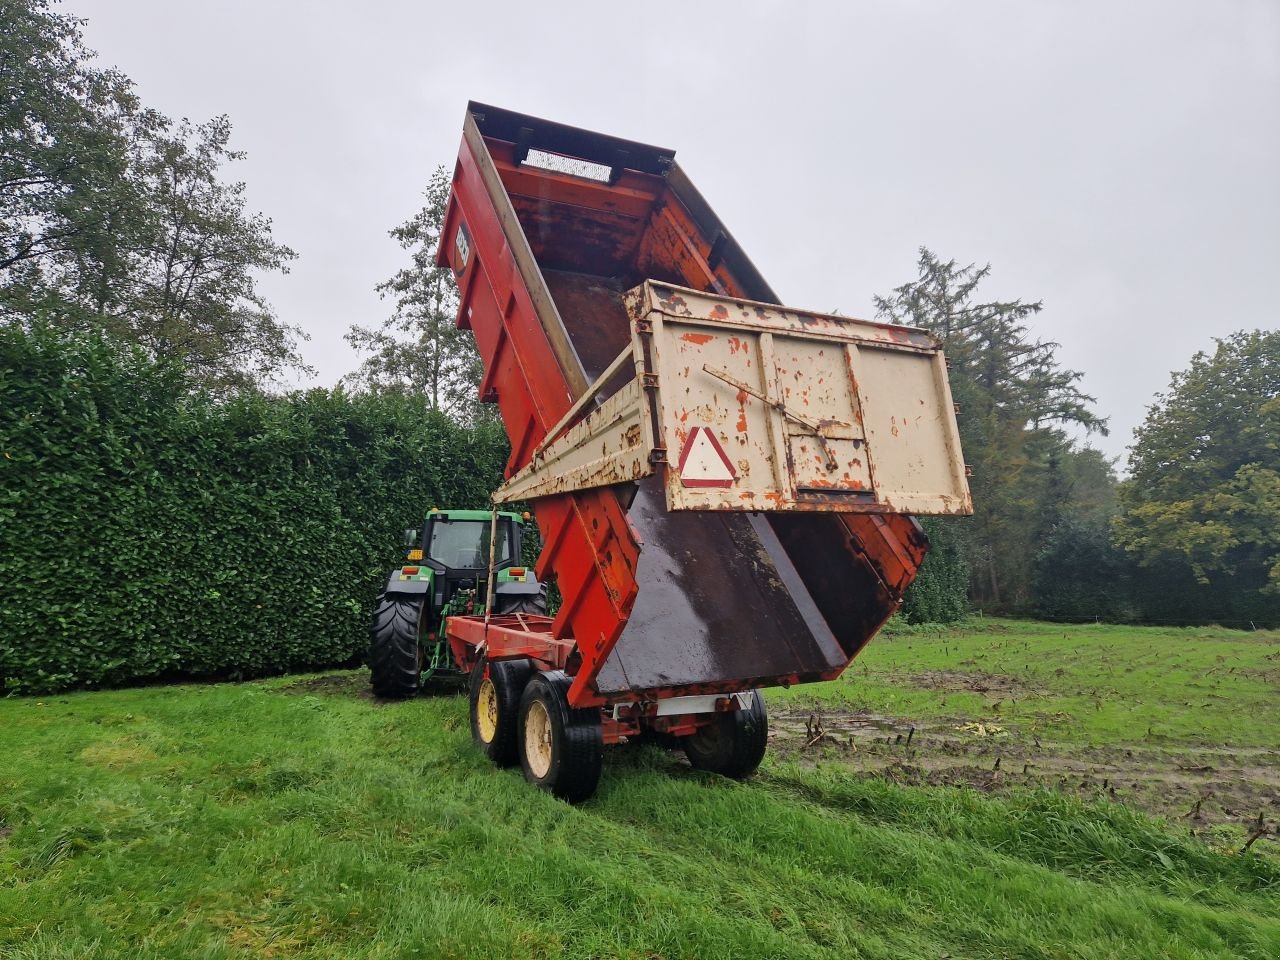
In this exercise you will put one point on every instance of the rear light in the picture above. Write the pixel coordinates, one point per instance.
(517, 571)
(411, 571)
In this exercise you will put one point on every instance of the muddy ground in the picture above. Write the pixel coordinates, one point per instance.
(1199, 785)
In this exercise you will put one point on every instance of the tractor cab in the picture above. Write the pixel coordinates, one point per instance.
(456, 541)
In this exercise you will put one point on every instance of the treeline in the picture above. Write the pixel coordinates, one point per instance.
(149, 531)
(1191, 536)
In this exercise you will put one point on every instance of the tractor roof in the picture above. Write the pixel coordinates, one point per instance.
(472, 515)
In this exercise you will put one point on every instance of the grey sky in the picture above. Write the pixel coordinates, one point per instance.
(1120, 161)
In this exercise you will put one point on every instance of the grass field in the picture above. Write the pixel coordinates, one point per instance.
(297, 817)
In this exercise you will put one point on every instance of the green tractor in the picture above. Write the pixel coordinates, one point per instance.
(447, 574)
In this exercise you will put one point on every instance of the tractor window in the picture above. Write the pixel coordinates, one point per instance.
(464, 544)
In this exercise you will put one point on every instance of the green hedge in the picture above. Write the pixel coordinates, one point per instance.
(148, 533)
(940, 593)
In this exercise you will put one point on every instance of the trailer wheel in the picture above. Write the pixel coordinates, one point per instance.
(395, 657)
(495, 707)
(734, 743)
(561, 749)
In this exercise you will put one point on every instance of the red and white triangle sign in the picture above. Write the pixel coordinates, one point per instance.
(703, 462)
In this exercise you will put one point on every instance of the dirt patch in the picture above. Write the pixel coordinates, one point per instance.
(1200, 787)
(993, 685)
(356, 685)
(338, 684)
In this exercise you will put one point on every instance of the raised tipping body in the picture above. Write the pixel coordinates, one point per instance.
(547, 230)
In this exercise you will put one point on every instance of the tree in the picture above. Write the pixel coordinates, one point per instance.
(1014, 399)
(64, 150)
(420, 349)
(1204, 485)
(113, 217)
(191, 290)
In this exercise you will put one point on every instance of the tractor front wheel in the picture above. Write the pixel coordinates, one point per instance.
(561, 749)
(732, 744)
(495, 707)
(395, 660)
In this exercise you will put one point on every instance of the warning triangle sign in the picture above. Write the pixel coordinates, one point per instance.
(703, 462)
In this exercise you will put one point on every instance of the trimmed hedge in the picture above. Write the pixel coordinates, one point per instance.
(940, 593)
(149, 533)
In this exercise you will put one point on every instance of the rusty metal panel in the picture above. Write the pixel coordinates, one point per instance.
(609, 445)
(763, 408)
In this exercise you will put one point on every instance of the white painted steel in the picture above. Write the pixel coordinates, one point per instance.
(811, 412)
(681, 706)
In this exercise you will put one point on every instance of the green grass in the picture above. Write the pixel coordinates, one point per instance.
(1095, 684)
(255, 820)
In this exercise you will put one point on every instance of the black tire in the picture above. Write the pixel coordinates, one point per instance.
(521, 603)
(507, 679)
(571, 754)
(734, 743)
(394, 665)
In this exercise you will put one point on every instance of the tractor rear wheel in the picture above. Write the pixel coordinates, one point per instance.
(395, 659)
(561, 749)
(495, 707)
(733, 744)
(521, 603)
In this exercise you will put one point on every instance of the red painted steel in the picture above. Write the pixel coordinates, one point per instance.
(506, 224)
(507, 637)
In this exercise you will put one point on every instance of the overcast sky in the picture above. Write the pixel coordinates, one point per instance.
(1119, 160)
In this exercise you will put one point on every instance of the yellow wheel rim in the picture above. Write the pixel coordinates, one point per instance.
(487, 711)
(537, 739)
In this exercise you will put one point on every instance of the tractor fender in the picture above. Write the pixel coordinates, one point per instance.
(514, 588)
(412, 587)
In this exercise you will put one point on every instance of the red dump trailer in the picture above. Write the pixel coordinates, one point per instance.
(724, 486)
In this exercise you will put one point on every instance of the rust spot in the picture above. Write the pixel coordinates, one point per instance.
(742, 420)
(774, 497)
(633, 435)
(736, 344)
(893, 425)
(718, 312)
(698, 338)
